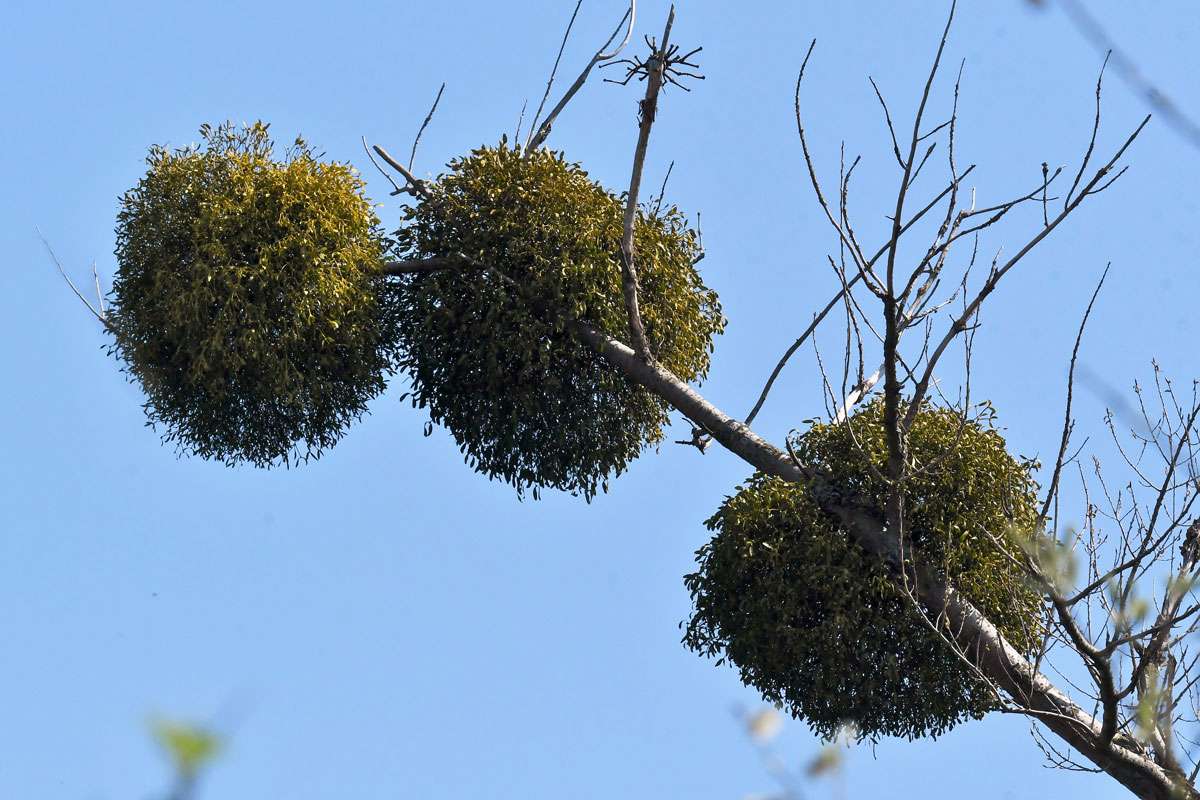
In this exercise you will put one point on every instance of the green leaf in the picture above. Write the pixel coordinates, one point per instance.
(189, 747)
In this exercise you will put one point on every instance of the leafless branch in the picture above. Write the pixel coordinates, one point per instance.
(415, 184)
(838, 298)
(97, 313)
(396, 188)
(656, 68)
(1127, 68)
(1068, 421)
(428, 117)
(553, 72)
(542, 131)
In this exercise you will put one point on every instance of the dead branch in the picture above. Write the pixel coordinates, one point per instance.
(542, 131)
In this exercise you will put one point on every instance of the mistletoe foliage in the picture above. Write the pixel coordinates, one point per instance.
(821, 628)
(248, 300)
(535, 245)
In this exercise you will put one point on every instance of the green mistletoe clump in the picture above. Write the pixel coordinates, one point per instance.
(249, 301)
(820, 627)
(487, 343)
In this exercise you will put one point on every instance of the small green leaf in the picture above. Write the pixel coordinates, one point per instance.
(189, 747)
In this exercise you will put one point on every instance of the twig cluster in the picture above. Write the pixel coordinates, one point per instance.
(665, 60)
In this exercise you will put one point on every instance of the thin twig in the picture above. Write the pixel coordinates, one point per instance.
(1091, 29)
(1095, 130)
(413, 156)
(1052, 491)
(99, 315)
(544, 129)
(520, 121)
(632, 15)
(553, 72)
(663, 190)
(396, 188)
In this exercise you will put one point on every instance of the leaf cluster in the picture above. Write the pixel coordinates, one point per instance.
(248, 300)
(826, 630)
(487, 344)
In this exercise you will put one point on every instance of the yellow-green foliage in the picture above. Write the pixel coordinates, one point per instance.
(487, 350)
(248, 301)
(817, 625)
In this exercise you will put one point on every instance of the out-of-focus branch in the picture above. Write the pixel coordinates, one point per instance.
(1091, 29)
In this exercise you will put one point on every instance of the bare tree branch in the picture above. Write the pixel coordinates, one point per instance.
(553, 72)
(838, 298)
(1068, 422)
(415, 184)
(97, 313)
(416, 141)
(539, 136)
(960, 324)
(656, 67)
(1127, 68)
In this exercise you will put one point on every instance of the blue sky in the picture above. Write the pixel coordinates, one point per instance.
(386, 624)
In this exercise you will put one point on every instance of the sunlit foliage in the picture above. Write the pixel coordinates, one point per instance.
(248, 300)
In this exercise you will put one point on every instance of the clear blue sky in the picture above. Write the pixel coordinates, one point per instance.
(387, 624)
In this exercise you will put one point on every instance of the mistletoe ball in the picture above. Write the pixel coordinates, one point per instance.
(249, 301)
(534, 245)
(821, 628)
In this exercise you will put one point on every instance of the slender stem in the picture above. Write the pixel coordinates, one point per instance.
(655, 67)
(412, 157)
(544, 129)
(553, 72)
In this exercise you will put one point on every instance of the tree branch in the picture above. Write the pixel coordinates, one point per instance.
(415, 184)
(543, 130)
(960, 324)
(655, 69)
(420, 265)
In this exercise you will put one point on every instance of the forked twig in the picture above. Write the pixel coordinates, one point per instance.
(98, 314)
(542, 131)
